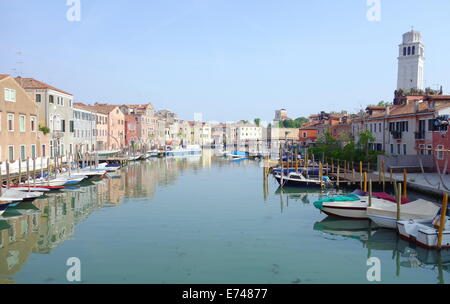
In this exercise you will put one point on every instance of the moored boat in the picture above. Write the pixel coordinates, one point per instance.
(294, 179)
(386, 215)
(353, 205)
(423, 233)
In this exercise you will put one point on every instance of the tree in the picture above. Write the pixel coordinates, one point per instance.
(365, 137)
(257, 121)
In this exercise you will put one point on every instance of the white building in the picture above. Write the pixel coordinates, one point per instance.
(85, 128)
(411, 62)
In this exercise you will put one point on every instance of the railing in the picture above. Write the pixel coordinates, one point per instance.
(419, 135)
(396, 134)
(57, 134)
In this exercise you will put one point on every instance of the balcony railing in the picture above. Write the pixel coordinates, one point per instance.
(419, 135)
(396, 134)
(57, 134)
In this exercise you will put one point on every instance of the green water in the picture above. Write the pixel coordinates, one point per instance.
(200, 221)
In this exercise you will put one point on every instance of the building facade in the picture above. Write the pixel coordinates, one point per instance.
(85, 124)
(55, 111)
(20, 136)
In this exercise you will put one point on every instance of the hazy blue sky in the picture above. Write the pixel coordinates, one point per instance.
(230, 59)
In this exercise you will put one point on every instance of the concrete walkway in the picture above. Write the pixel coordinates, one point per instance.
(429, 183)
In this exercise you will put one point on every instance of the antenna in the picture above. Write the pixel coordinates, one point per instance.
(19, 62)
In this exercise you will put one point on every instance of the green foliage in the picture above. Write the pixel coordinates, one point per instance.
(381, 104)
(44, 129)
(296, 124)
(345, 149)
(257, 121)
(243, 121)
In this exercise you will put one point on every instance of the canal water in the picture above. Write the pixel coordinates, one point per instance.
(200, 220)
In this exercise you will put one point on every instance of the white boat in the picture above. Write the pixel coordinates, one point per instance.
(386, 215)
(108, 167)
(61, 180)
(86, 172)
(190, 150)
(31, 189)
(20, 195)
(350, 206)
(294, 179)
(423, 233)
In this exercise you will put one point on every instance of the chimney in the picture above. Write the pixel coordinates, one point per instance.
(416, 106)
(388, 110)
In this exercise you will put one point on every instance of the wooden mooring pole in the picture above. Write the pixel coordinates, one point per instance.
(442, 222)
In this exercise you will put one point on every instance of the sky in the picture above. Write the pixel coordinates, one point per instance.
(227, 59)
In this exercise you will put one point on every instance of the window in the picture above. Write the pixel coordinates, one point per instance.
(379, 127)
(63, 125)
(33, 123)
(398, 149)
(440, 154)
(409, 50)
(33, 151)
(431, 126)
(10, 95)
(404, 149)
(430, 152)
(43, 151)
(38, 98)
(421, 148)
(11, 122)
(51, 99)
(71, 126)
(413, 50)
(11, 153)
(22, 123)
(22, 152)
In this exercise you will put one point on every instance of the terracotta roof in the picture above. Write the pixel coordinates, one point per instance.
(104, 108)
(3, 76)
(33, 84)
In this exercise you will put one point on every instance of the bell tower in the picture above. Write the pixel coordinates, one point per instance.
(411, 62)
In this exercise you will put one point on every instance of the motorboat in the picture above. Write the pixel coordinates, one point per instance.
(31, 189)
(40, 187)
(386, 215)
(20, 195)
(424, 232)
(190, 150)
(294, 179)
(108, 167)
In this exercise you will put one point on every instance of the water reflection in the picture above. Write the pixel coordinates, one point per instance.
(42, 225)
(404, 254)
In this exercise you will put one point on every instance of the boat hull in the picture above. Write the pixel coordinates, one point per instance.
(421, 234)
(356, 213)
(299, 183)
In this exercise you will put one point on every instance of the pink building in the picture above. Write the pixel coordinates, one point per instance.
(115, 125)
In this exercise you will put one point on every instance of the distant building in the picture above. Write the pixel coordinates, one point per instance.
(85, 128)
(55, 110)
(411, 62)
(115, 123)
(20, 137)
(281, 115)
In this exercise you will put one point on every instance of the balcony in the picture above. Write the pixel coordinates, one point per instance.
(420, 135)
(396, 134)
(57, 134)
